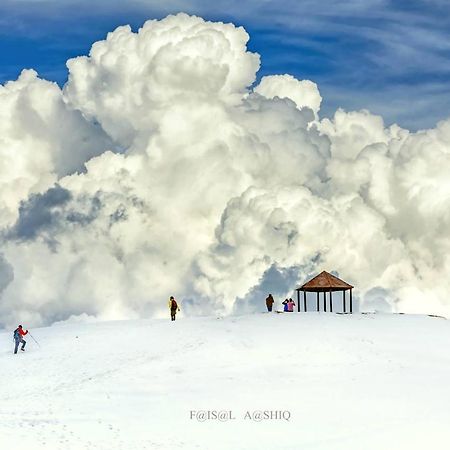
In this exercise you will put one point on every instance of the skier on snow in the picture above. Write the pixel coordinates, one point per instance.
(286, 306)
(173, 306)
(18, 338)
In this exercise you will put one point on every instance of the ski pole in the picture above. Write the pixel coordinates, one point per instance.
(31, 336)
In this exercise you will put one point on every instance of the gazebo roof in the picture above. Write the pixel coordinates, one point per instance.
(325, 282)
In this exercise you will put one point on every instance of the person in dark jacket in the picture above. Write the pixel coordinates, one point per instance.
(286, 305)
(18, 338)
(269, 302)
(173, 306)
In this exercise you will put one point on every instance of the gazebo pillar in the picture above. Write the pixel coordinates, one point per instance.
(351, 301)
(343, 300)
(317, 300)
(304, 300)
(324, 301)
(331, 301)
(298, 301)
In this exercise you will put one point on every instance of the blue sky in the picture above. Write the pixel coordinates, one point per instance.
(391, 57)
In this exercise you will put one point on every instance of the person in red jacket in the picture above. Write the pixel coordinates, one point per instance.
(18, 338)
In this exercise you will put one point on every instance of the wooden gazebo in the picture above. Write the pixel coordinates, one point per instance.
(325, 282)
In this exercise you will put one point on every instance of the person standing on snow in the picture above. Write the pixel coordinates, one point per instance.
(173, 306)
(269, 302)
(290, 305)
(18, 338)
(286, 306)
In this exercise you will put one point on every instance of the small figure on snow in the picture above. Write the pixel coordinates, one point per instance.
(173, 306)
(286, 306)
(269, 302)
(18, 338)
(290, 305)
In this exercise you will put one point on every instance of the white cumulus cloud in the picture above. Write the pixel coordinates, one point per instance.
(302, 92)
(159, 171)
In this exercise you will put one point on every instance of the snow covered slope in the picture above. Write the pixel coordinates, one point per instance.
(357, 382)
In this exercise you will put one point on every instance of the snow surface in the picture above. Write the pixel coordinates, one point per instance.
(349, 382)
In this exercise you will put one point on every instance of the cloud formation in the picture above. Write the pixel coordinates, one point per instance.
(160, 170)
(375, 54)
